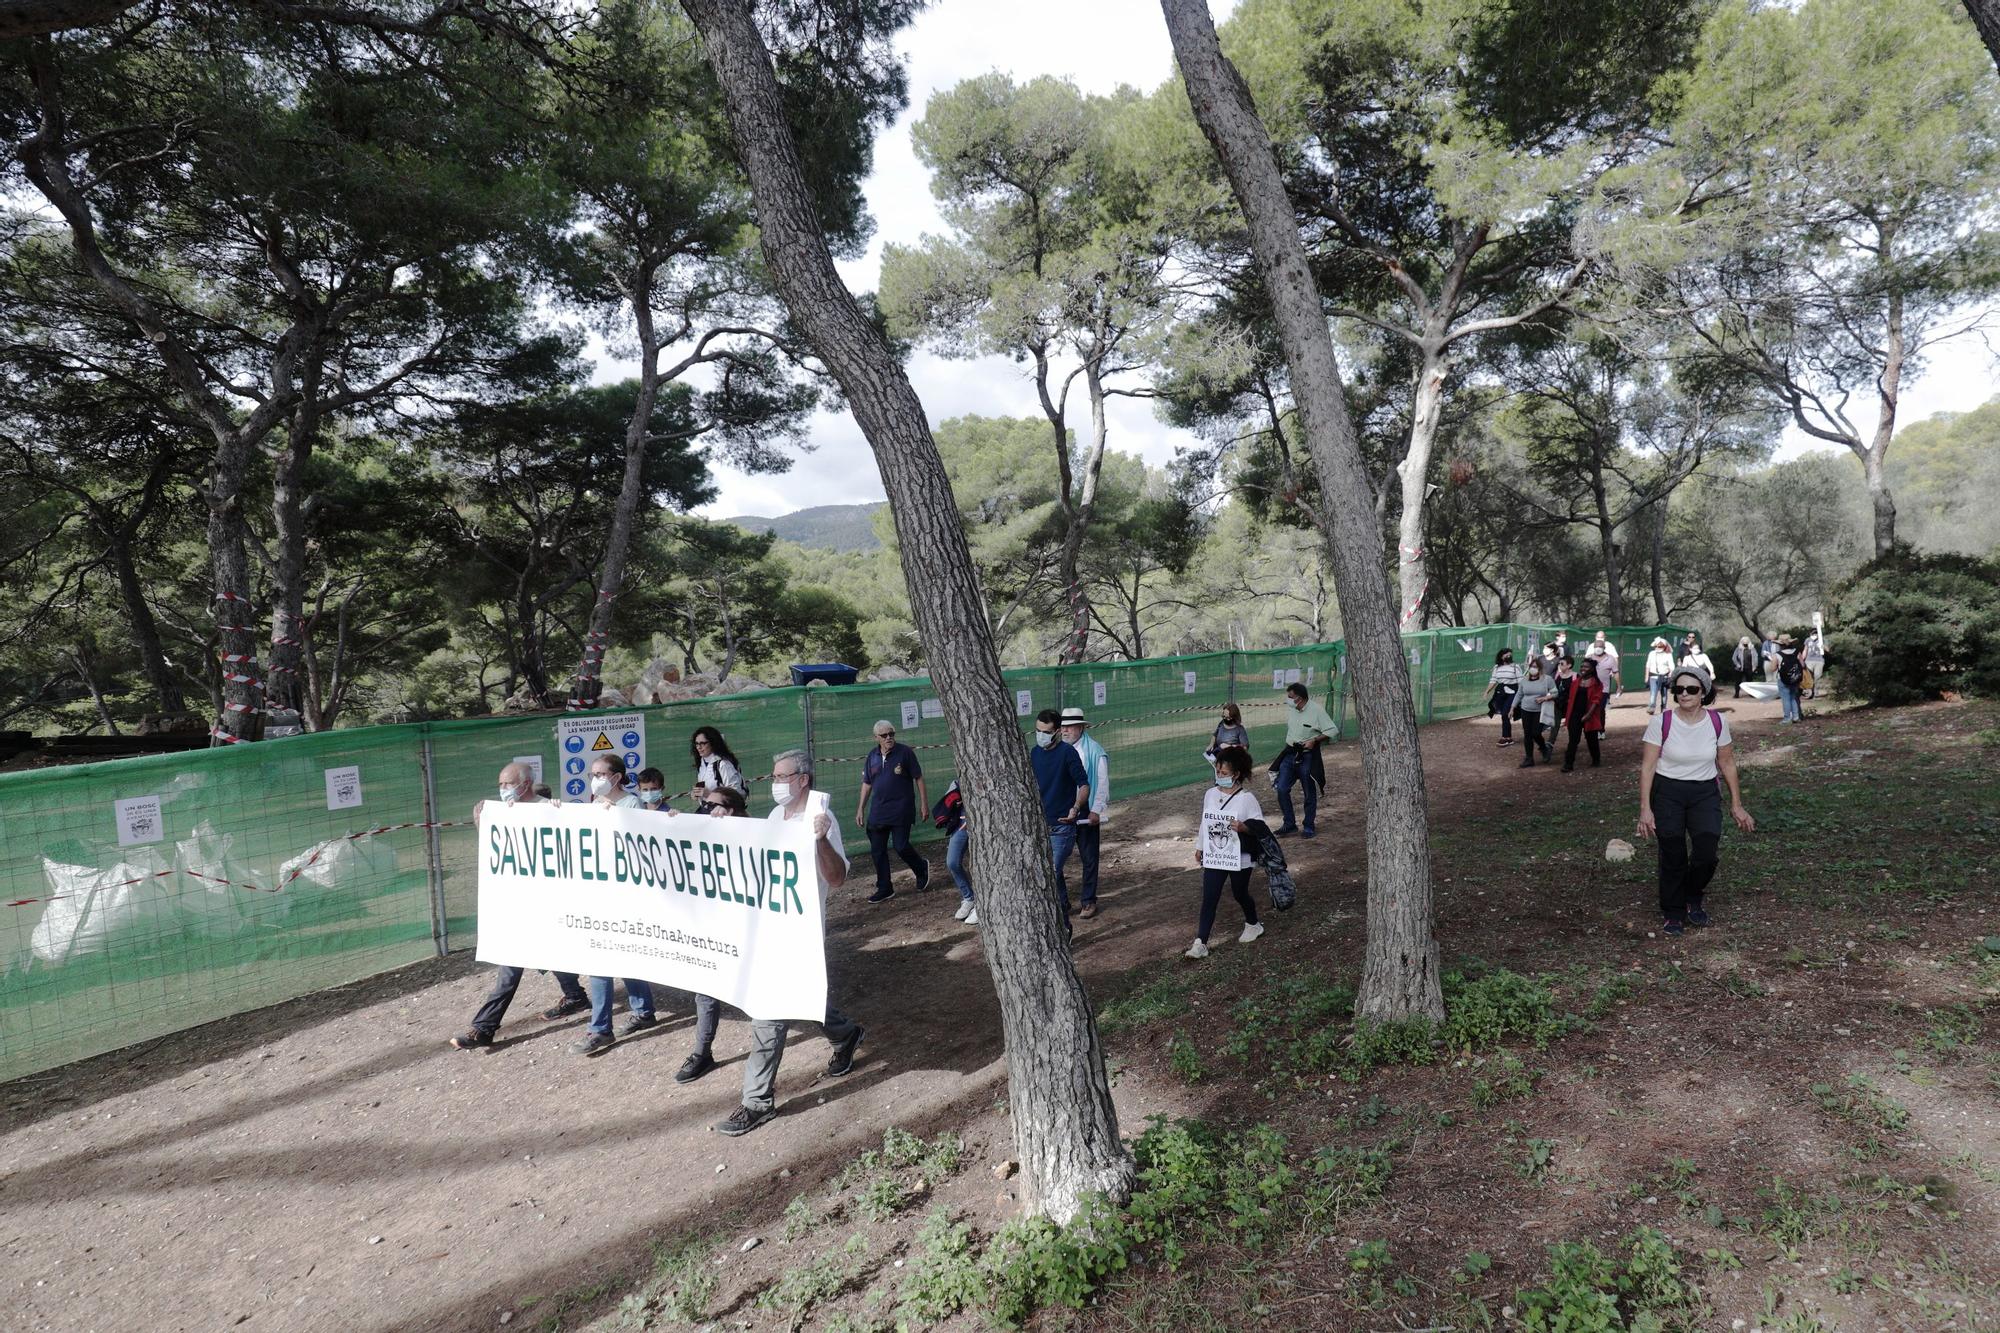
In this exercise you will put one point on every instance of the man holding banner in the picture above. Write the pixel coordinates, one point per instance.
(731, 908)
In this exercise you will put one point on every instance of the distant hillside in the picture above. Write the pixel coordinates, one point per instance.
(823, 527)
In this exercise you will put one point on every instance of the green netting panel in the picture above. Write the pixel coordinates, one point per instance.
(245, 890)
(252, 890)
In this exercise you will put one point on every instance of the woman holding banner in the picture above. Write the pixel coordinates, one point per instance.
(1226, 811)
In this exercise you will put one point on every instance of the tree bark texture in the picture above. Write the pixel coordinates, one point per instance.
(1065, 1126)
(1986, 17)
(1888, 391)
(1400, 977)
(1607, 538)
(290, 510)
(1414, 471)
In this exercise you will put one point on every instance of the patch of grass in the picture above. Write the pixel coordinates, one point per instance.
(1606, 997)
(680, 1287)
(1638, 1286)
(1185, 1060)
(1860, 1102)
(891, 1177)
(1163, 997)
(944, 1278)
(1510, 1080)
(1482, 1012)
(801, 1290)
(1794, 1217)
(1746, 987)
(1951, 1030)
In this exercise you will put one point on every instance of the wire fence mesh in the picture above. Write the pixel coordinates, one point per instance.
(148, 895)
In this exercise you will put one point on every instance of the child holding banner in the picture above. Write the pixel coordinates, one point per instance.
(1225, 811)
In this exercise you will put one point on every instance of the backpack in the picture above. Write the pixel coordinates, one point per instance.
(1667, 725)
(1791, 670)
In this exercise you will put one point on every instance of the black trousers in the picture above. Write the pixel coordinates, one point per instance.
(1503, 704)
(1211, 897)
(880, 836)
(1577, 733)
(507, 980)
(1531, 735)
(1685, 812)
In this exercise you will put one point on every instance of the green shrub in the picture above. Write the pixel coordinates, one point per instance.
(1488, 1010)
(1589, 1291)
(1914, 625)
(945, 1277)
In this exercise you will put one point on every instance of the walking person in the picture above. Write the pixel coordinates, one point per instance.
(1689, 756)
(1815, 655)
(1222, 847)
(892, 791)
(792, 798)
(1659, 666)
(949, 815)
(1229, 731)
(1065, 791)
(1557, 706)
(1097, 768)
(1502, 688)
(1583, 714)
(1535, 691)
(1791, 677)
(607, 790)
(1697, 656)
(1606, 651)
(715, 765)
(516, 787)
(1307, 727)
(1744, 660)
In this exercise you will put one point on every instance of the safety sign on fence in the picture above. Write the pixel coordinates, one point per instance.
(723, 907)
(582, 739)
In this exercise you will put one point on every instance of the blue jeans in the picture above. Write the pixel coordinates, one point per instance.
(954, 861)
(1656, 692)
(638, 998)
(1789, 697)
(1296, 768)
(1062, 841)
(1087, 846)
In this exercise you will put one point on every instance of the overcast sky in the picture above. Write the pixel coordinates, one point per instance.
(1097, 44)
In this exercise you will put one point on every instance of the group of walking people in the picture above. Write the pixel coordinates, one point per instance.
(1553, 694)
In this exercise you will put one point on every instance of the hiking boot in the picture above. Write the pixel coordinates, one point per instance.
(881, 895)
(1673, 927)
(1308, 832)
(924, 878)
(1250, 932)
(1089, 911)
(1697, 917)
(597, 1043)
(964, 910)
(743, 1119)
(637, 1023)
(1199, 949)
(1287, 831)
(1527, 760)
(566, 1007)
(843, 1055)
(694, 1067)
(472, 1040)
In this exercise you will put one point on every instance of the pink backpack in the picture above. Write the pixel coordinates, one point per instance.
(1667, 725)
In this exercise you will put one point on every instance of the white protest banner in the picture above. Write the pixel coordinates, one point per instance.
(723, 907)
(139, 821)
(343, 788)
(581, 739)
(912, 714)
(1219, 848)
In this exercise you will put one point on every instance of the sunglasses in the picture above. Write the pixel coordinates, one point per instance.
(883, 735)
(1679, 690)
(711, 807)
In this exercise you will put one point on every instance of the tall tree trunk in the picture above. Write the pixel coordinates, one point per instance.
(1888, 389)
(1607, 540)
(289, 514)
(618, 546)
(86, 667)
(1986, 17)
(1065, 1127)
(1399, 977)
(1659, 560)
(1414, 472)
(167, 695)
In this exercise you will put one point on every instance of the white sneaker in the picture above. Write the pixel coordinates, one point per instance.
(964, 910)
(1250, 933)
(1199, 949)
(972, 917)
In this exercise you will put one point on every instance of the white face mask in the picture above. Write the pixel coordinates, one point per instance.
(1045, 739)
(510, 794)
(781, 793)
(602, 786)
(652, 795)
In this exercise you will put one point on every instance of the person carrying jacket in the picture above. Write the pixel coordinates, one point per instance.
(1584, 716)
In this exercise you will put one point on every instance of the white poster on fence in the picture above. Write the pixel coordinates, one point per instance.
(581, 739)
(1220, 849)
(343, 787)
(913, 712)
(723, 907)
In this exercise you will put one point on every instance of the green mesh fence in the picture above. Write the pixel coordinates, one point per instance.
(253, 874)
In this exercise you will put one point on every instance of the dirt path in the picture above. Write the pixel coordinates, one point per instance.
(333, 1164)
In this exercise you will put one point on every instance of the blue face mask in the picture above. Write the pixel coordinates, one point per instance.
(1225, 779)
(1045, 739)
(652, 795)
(510, 794)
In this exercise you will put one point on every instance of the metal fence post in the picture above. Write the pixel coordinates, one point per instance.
(1430, 680)
(1232, 675)
(433, 840)
(807, 690)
